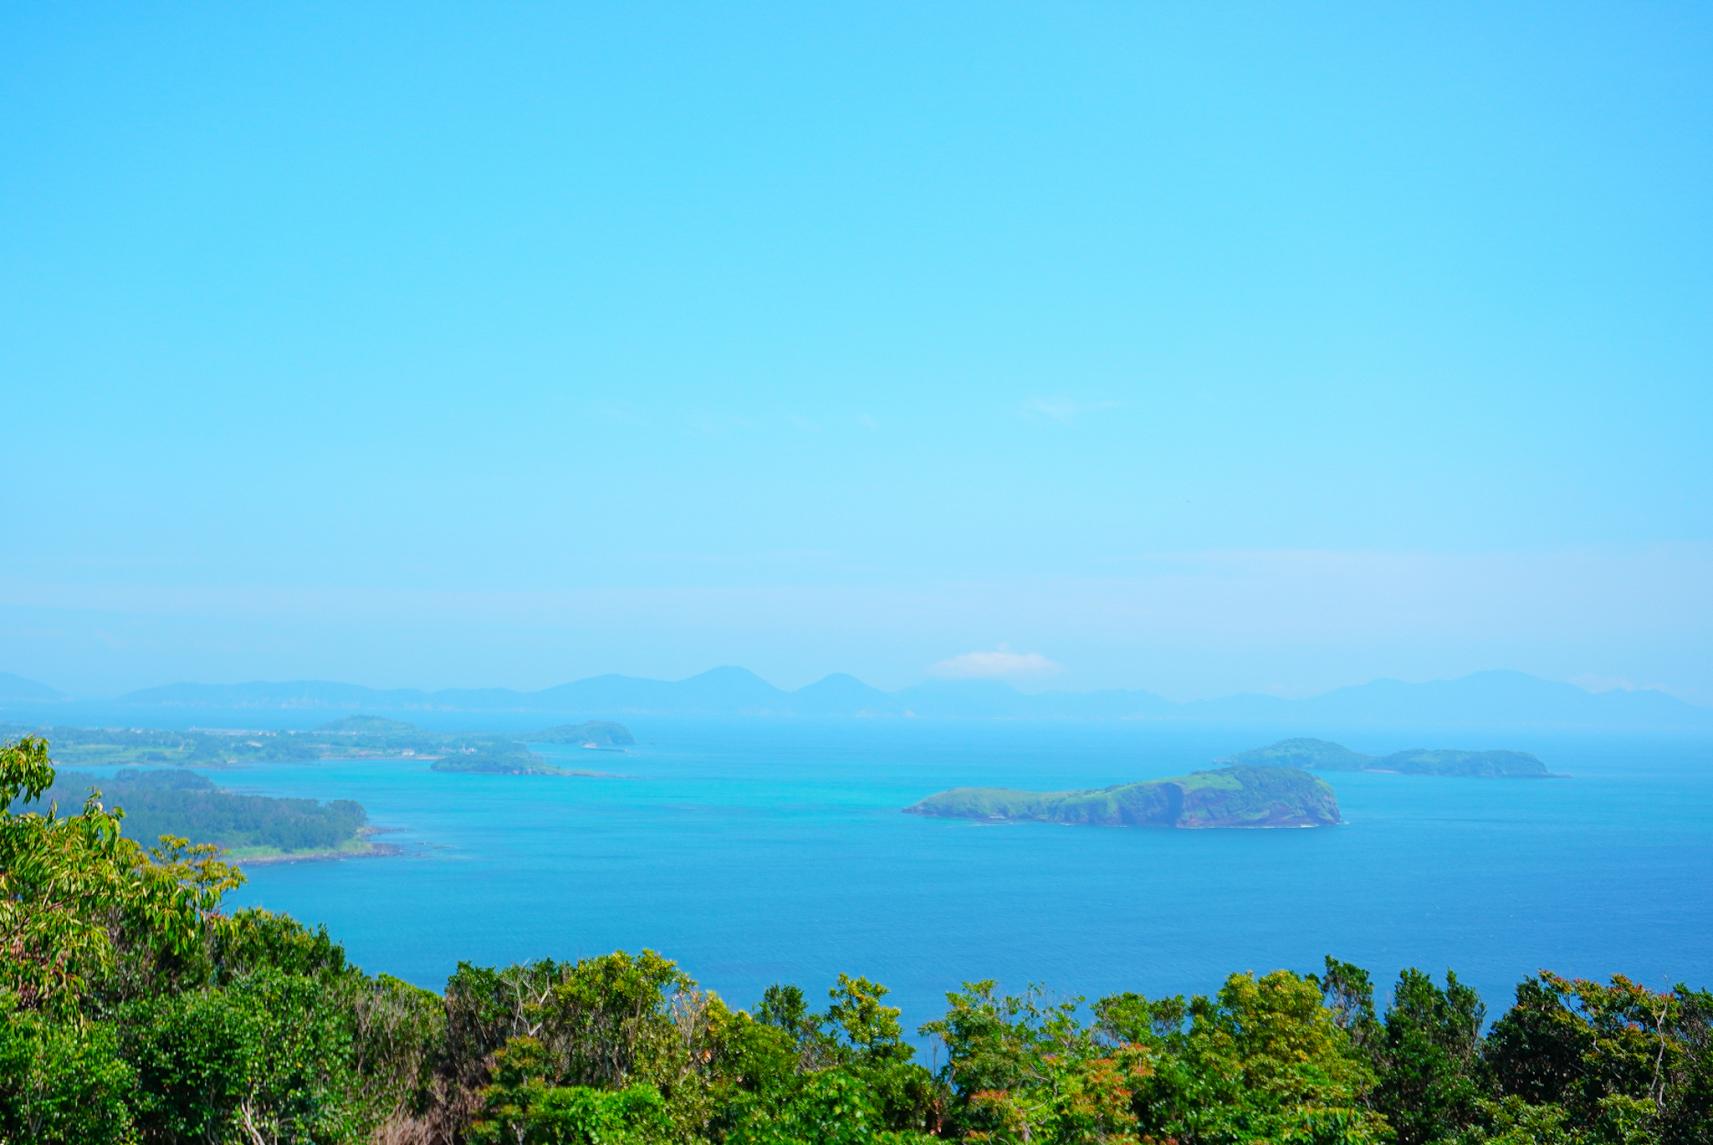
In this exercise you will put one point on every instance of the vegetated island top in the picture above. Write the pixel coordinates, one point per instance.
(1229, 797)
(1323, 755)
(248, 828)
(352, 737)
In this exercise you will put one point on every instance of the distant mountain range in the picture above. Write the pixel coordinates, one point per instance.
(1485, 699)
(16, 689)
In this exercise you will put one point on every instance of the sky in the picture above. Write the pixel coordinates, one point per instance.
(1196, 348)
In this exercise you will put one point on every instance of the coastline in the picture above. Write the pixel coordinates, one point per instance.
(362, 847)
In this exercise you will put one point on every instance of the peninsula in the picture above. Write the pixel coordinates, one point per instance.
(247, 828)
(352, 737)
(1228, 797)
(1323, 755)
(597, 735)
(512, 759)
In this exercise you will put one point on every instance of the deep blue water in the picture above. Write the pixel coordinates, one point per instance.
(757, 851)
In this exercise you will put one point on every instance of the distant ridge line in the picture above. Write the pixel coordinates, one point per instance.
(1484, 699)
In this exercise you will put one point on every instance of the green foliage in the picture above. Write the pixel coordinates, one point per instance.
(1622, 1062)
(352, 737)
(269, 1055)
(1513, 1121)
(1348, 991)
(831, 1107)
(1023, 1068)
(601, 733)
(85, 912)
(255, 938)
(605, 1023)
(1465, 764)
(785, 1009)
(25, 771)
(1320, 754)
(63, 1081)
(183, 803)
(865, 1029)
(867, 1041)
(1263, 1060)
(521, 1107)
(135, 1011)
(1429, 1055)
(1323, 755)
(1237, 796)
(500, 759)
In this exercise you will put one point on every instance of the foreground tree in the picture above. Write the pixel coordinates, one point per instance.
(88, 916)
(1263, 1060)
(1024, 1068)
(1622, 1062)
(133, 1010)
(1428, 1057)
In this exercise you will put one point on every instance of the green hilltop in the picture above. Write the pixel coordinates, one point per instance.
(1324, 755)
(351, 737)
(1320, 754)
(589, 733)
(1227, 797)
(246, 827)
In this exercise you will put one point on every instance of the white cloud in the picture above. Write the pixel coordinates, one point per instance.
(998, 664)
(1593, 682)
(1065, 411)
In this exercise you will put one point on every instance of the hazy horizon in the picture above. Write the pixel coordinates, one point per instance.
(1486, 679)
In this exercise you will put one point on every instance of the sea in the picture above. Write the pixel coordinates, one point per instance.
(764, 851)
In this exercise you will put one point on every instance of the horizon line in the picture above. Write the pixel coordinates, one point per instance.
(971, 683)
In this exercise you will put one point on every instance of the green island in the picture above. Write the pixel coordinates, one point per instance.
(1323, 755)
(134, 1010)
(246, 828)
(594, 734)
(1231, 797)
(351, 737)
(509, 760)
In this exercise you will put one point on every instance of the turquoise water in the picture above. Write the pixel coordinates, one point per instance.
(755, 852)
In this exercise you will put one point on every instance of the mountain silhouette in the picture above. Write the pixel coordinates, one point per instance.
(1483, 699)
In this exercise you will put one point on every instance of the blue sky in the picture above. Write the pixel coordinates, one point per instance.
(1196, 348)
